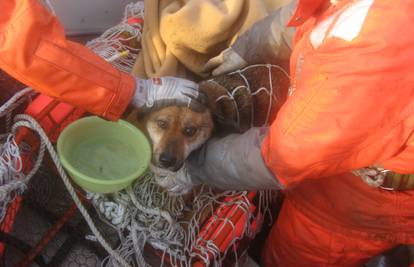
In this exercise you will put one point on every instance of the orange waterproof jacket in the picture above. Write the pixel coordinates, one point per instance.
(352, 94)
(34, 50)
(351, 106)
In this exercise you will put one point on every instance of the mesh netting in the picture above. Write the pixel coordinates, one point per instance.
(120, 45)
(202, 226)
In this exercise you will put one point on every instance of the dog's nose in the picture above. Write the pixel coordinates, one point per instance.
(167, 160)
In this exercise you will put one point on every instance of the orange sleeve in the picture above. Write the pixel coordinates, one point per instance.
(34, 50)
(353, 104)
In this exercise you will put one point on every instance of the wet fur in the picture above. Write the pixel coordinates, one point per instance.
(168, 131)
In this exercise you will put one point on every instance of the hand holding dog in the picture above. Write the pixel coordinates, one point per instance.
(167, 90)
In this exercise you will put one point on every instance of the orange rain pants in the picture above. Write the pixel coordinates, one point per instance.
(333, 229)
(34, 50)
(351, 106)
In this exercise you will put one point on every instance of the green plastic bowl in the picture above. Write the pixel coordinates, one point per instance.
(103, 156)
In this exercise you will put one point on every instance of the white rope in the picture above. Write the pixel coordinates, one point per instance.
(21, 180)
(152, 211)
(114, 212)
(138, 246)
(12, 180)
(10, 174)
(10, 160)
(25, 95)
(14, 101)
(29, 122)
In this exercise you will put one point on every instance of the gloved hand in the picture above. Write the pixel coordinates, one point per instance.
(373, 176)
(267, 41)
(167, 90)
(230, 163)
(228, 61)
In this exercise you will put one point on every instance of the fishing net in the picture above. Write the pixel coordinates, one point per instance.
(201, 227)
(121, 44)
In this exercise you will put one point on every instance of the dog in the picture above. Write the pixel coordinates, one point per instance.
(174, 132)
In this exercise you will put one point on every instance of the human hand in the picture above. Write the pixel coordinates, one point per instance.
(229, 60)
(167, 91)
(373, 176)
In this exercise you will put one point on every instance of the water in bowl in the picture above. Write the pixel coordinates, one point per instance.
(104, 158)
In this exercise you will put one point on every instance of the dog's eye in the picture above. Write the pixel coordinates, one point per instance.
(189, 131)
(162, 124)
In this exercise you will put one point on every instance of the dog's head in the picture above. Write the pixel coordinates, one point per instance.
(175, 132)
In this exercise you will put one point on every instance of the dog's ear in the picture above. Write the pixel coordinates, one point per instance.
(137, 119)
(140, 115)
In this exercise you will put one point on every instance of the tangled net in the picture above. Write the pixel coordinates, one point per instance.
(145, 214)
(120, 45)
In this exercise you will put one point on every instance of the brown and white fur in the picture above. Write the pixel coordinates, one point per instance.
(174, 133)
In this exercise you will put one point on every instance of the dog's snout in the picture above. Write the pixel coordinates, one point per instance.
(167, 160)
